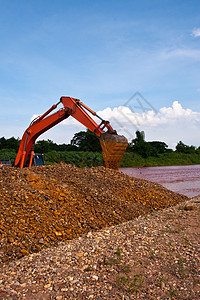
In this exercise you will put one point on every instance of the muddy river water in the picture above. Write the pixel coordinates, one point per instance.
(180, 179)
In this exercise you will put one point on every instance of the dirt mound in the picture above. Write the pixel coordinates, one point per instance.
(44, 205)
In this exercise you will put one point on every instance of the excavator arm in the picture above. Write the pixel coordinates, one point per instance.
(113, 145)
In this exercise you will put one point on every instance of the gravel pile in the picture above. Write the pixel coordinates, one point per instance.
(151, 257)
(43, 206)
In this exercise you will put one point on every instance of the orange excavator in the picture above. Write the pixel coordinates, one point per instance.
(113, 145)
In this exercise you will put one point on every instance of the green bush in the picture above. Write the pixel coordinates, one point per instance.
(78, 158)
(8, 154)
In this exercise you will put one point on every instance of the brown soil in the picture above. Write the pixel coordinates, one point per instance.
(43, 206)
(154, 255)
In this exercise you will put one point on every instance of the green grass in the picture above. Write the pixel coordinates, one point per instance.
(131, 159)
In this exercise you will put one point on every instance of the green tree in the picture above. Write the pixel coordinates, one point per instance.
(10, 143)
(198, 150)
(3, 144)
(140, 137)
(67, 147)
(160, 147)
(86, 141)
(141, 147)
(181, 147)
(13, 143)
(45, 146)
(145, 149)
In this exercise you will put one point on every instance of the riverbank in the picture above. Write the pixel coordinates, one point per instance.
(131, 159)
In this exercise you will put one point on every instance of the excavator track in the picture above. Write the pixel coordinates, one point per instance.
(113, 147)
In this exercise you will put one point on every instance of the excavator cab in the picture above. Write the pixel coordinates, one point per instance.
(36, 160)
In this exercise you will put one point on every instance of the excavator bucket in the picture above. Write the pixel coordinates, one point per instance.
(113, 147)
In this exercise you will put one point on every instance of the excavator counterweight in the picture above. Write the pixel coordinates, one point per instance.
(113, 145)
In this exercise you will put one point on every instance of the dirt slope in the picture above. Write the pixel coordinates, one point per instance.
(42, 206)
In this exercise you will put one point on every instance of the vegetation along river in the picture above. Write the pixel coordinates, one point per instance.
(181, 179)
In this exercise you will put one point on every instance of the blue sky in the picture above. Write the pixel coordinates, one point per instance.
(101, 52)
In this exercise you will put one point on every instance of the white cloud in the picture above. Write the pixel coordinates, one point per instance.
(34, 117)
(169, 124)
(196, 32)
(151, 118)
(181, 53)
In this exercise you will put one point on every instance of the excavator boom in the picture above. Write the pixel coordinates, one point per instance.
(113, 145)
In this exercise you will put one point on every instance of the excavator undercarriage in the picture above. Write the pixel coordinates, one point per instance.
(113, 145)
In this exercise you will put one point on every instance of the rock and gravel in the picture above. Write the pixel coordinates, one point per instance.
(95, 234)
